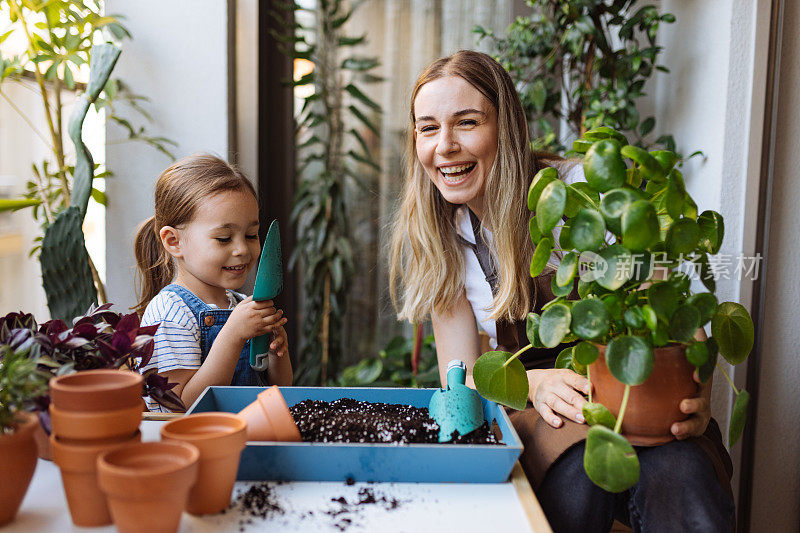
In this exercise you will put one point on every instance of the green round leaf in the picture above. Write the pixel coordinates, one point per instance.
(666, 159)
(675, 195)
(533, 230)
(738, 417)
(564, 240)
(650, 167)
(684, 323)
(554, 325)
(660, 335)
(585, 287)
(649, 316)
(712, 230)
(585, 353)
(642, 266)
(613, 304)
(603, 166)
(618, 267)
(609, 460)
(706, 370)
(590, 319)
(682, 236)
(680, 281)
(633, 318)
(614, 204)
(551, 205)
(629, 359)
(587, 230)
(542, 178)
(604, 132)
(640, 228)
(540, 256)
(705, 272)
(558, 290)
(532, 330)
(581, 146)
(732, 328)
(697, 353)
(580, 194)
(663, 298)
(566, 360)
(567, 270)
(597, 414)
(497, 382)
(706, 303)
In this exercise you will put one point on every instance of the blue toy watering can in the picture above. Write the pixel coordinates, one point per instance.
(458, 408)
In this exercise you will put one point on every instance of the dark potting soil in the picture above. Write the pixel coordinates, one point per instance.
(349, 420)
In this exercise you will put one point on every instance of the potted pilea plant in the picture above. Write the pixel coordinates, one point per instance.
(101, 338)
(20, 383)
(627, 234)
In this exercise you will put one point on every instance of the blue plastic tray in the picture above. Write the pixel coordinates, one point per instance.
(311, 461)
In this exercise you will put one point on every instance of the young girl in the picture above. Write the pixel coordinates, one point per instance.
(198, 248)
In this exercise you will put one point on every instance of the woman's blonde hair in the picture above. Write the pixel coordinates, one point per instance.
(179, 191)
(425, 253)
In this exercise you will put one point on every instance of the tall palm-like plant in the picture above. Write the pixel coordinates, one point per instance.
(332, 128)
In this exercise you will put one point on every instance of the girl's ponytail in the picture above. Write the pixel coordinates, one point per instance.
(153, 262)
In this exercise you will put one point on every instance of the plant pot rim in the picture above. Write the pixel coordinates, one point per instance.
(95, 381)
(24, 422)
(176, 429)
(85, 451)
(183, 455)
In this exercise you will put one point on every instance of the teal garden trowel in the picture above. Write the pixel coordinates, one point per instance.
(269, 283)
(458, 408)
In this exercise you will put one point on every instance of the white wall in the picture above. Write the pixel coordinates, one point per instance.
(178, 58)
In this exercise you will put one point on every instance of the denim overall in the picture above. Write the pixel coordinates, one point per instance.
(210, 320)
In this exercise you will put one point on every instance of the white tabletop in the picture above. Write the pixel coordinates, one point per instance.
(318, 506)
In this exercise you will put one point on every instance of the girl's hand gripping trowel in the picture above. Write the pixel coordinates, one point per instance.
(269, 283)
(458, 408)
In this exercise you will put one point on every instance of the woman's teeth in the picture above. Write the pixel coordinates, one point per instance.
(455, 173)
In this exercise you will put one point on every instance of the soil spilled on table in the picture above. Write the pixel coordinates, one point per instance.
(349, 420)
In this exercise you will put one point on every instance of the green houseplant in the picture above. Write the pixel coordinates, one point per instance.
(632, 215)
(583, 64)
(333, 126)
(59, 38)
(21, 382)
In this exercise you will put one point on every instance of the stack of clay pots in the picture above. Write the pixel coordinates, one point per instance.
(92, 412)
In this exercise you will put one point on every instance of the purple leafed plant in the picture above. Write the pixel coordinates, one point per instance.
(99, 339)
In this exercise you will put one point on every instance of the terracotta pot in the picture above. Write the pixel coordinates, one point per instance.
(653, 406)
(96, 390)
(96, 424)
(17, 463)
(220, 437)
(78, 463)
(147, 484)
(42, 443)
(268, 418)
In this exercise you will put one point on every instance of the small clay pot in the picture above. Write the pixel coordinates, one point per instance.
(147, 484)
(654, 405)
(96, 390)
(17, 462)
(121, 423)
(220, 437)
(269, 418)
(78, 463)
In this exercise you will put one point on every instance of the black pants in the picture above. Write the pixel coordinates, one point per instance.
(677, 491)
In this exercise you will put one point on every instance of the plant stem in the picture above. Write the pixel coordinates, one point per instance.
(46, 102)
(517, 355)
(98, 283)
(625, 395)
(728, 378)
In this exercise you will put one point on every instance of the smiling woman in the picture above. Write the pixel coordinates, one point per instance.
(462, 254)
